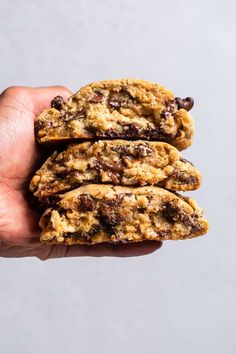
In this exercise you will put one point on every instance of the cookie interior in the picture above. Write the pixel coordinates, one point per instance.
(119, 162)
(98, 213)
(127, 109)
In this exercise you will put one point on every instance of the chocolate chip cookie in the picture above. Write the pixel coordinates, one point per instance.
(104, 213)
(119, 162)
(114, 109)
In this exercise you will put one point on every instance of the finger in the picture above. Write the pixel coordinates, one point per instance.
(100, 250)
(44, 252)
(43, 96)
(114, 250)
(33, 99)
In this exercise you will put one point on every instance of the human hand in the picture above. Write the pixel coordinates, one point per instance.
(19, 157)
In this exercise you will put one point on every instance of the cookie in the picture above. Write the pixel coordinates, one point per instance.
(118, 109)
(104, 213)
(122, 162)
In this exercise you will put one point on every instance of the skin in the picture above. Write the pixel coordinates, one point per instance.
(19, 158)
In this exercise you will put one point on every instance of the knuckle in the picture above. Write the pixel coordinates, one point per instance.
(13, 91)
(61, 87)
(63, 90)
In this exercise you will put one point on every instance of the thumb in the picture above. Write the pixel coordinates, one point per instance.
(42, 96)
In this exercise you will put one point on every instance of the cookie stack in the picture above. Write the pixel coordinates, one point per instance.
(120, 168)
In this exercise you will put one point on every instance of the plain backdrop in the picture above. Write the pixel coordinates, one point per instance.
(180, 299)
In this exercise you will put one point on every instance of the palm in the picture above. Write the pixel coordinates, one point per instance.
(19, 156)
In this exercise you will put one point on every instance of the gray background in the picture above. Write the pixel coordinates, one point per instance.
(181, 299)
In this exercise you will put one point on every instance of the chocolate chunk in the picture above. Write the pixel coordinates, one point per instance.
(152, 133)
(57, 103)
(87, 202)
(105, 165)
(114, 102)
(115, 177)
(169, 109)
(118, 99)
(96, 98)
(142, 150)
(159, 134)
(189, 220)
(50, 200)
(185, 103)
(132, 130)
(136, 151)
(111, 211)
(141, 210)
(109, 133)
(110, 216)
(170, 212)
(190, 180)
(68, 116)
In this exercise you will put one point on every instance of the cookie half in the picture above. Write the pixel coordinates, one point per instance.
(128, 163)
(104, 213)
(118, 109)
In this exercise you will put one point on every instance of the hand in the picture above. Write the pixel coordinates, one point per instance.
(19, 158)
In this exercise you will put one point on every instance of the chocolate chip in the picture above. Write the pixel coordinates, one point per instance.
(57, 103)
(96, 98)
(87, 202)
(185, 103)
(68, 116)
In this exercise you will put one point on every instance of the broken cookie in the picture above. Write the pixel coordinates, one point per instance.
(120, 162)
(118, 109)
(95, 213)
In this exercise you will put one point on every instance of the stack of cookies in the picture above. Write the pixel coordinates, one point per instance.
(117, 169)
